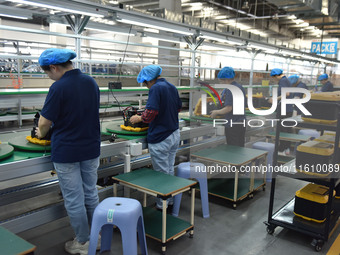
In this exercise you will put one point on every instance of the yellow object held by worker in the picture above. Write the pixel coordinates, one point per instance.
(38, 141)
(133, 129)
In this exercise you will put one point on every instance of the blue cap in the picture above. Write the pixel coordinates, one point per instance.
(293, 78)
(323, 77)
(276, 71)
(55, 56)
(149, 73)
(226, 73)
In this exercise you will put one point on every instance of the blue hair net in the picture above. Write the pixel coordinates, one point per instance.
(276, 71)
(293, 78)
(226, 73)
(55, 56)
(149, 73)
(323, 77)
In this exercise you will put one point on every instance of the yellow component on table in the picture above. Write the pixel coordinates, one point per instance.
(38, 141)
(133, 129)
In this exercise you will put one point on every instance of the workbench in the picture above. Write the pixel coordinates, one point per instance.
(234, 189)
(11, 244)
(290, 137)
(159, 225)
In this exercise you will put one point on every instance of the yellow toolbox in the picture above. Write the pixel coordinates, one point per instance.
(323, 107)
(314, 158)
(311, 202)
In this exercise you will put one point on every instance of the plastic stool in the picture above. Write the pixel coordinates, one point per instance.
(183, 171)
(127, 215)
(270, 148)
(310, 132)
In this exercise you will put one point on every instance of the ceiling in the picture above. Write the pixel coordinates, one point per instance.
(279, 19)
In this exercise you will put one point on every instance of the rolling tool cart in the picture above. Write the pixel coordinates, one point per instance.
(285, 216)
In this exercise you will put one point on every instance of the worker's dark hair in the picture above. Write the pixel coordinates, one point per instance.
(66, 64)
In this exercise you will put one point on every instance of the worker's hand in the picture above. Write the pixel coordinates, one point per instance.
(214, 113)
(37, 133)
(270, 100)
(135, 119)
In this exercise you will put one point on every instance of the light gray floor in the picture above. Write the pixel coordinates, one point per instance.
(227, 231)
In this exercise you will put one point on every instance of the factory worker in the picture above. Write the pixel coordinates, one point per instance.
(327, 86)
(72, 107)
(297, 83)
(161, 112)
(283, 82)
(235, 128)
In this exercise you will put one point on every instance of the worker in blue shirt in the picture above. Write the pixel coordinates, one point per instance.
(235, 128)
(283, 82)
(72, 107)
(297, 83)
(161, 112)
(327, 86)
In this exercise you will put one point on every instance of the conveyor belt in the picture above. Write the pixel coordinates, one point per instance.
(116, 129)
(5, 151)
(21, 143)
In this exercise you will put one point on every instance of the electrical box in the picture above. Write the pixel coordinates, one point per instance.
(115, 85)
(136, 149)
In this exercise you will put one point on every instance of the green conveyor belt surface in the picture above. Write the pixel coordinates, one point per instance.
(154, 181)
(21, 143)
(131, 137)
(6, 151)
(116, 129)
(21, 155)
(22, 112)
(229, 154)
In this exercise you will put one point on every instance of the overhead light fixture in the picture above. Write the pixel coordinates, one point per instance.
(109, 29)
(267, 48)
(154, 24)
(223, 39)
(291, 53)
(15, 13)
(13, 16)
(161, 37)
(56, 7)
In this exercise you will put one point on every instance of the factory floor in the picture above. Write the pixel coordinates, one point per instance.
(227, 231)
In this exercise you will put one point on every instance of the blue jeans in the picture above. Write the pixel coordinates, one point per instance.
(77, 182)
(163, 156)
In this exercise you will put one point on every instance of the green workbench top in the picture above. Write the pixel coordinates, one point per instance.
(22, 155)
(229, 154)
(290, 137)
(154, 181)
(11, 244)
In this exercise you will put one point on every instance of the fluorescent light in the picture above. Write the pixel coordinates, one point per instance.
(13, 16)
(221, 39)
(161, 37)
(154, 24)
(291, 53)
(49, 6)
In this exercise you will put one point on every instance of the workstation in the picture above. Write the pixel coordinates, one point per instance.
(243, 179)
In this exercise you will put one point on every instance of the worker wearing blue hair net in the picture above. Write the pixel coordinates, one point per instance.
(297, 83)
(283, 82)
(72, 107)
(234, 128)
(327, 86)
(161, 112)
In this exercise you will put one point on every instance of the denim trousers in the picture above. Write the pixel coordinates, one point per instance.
(163, 156)
(77, 182)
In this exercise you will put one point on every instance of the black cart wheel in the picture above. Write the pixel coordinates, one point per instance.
(270, 230)
(191, 235)
(263, 188)
(318, 246)
(234, 206)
